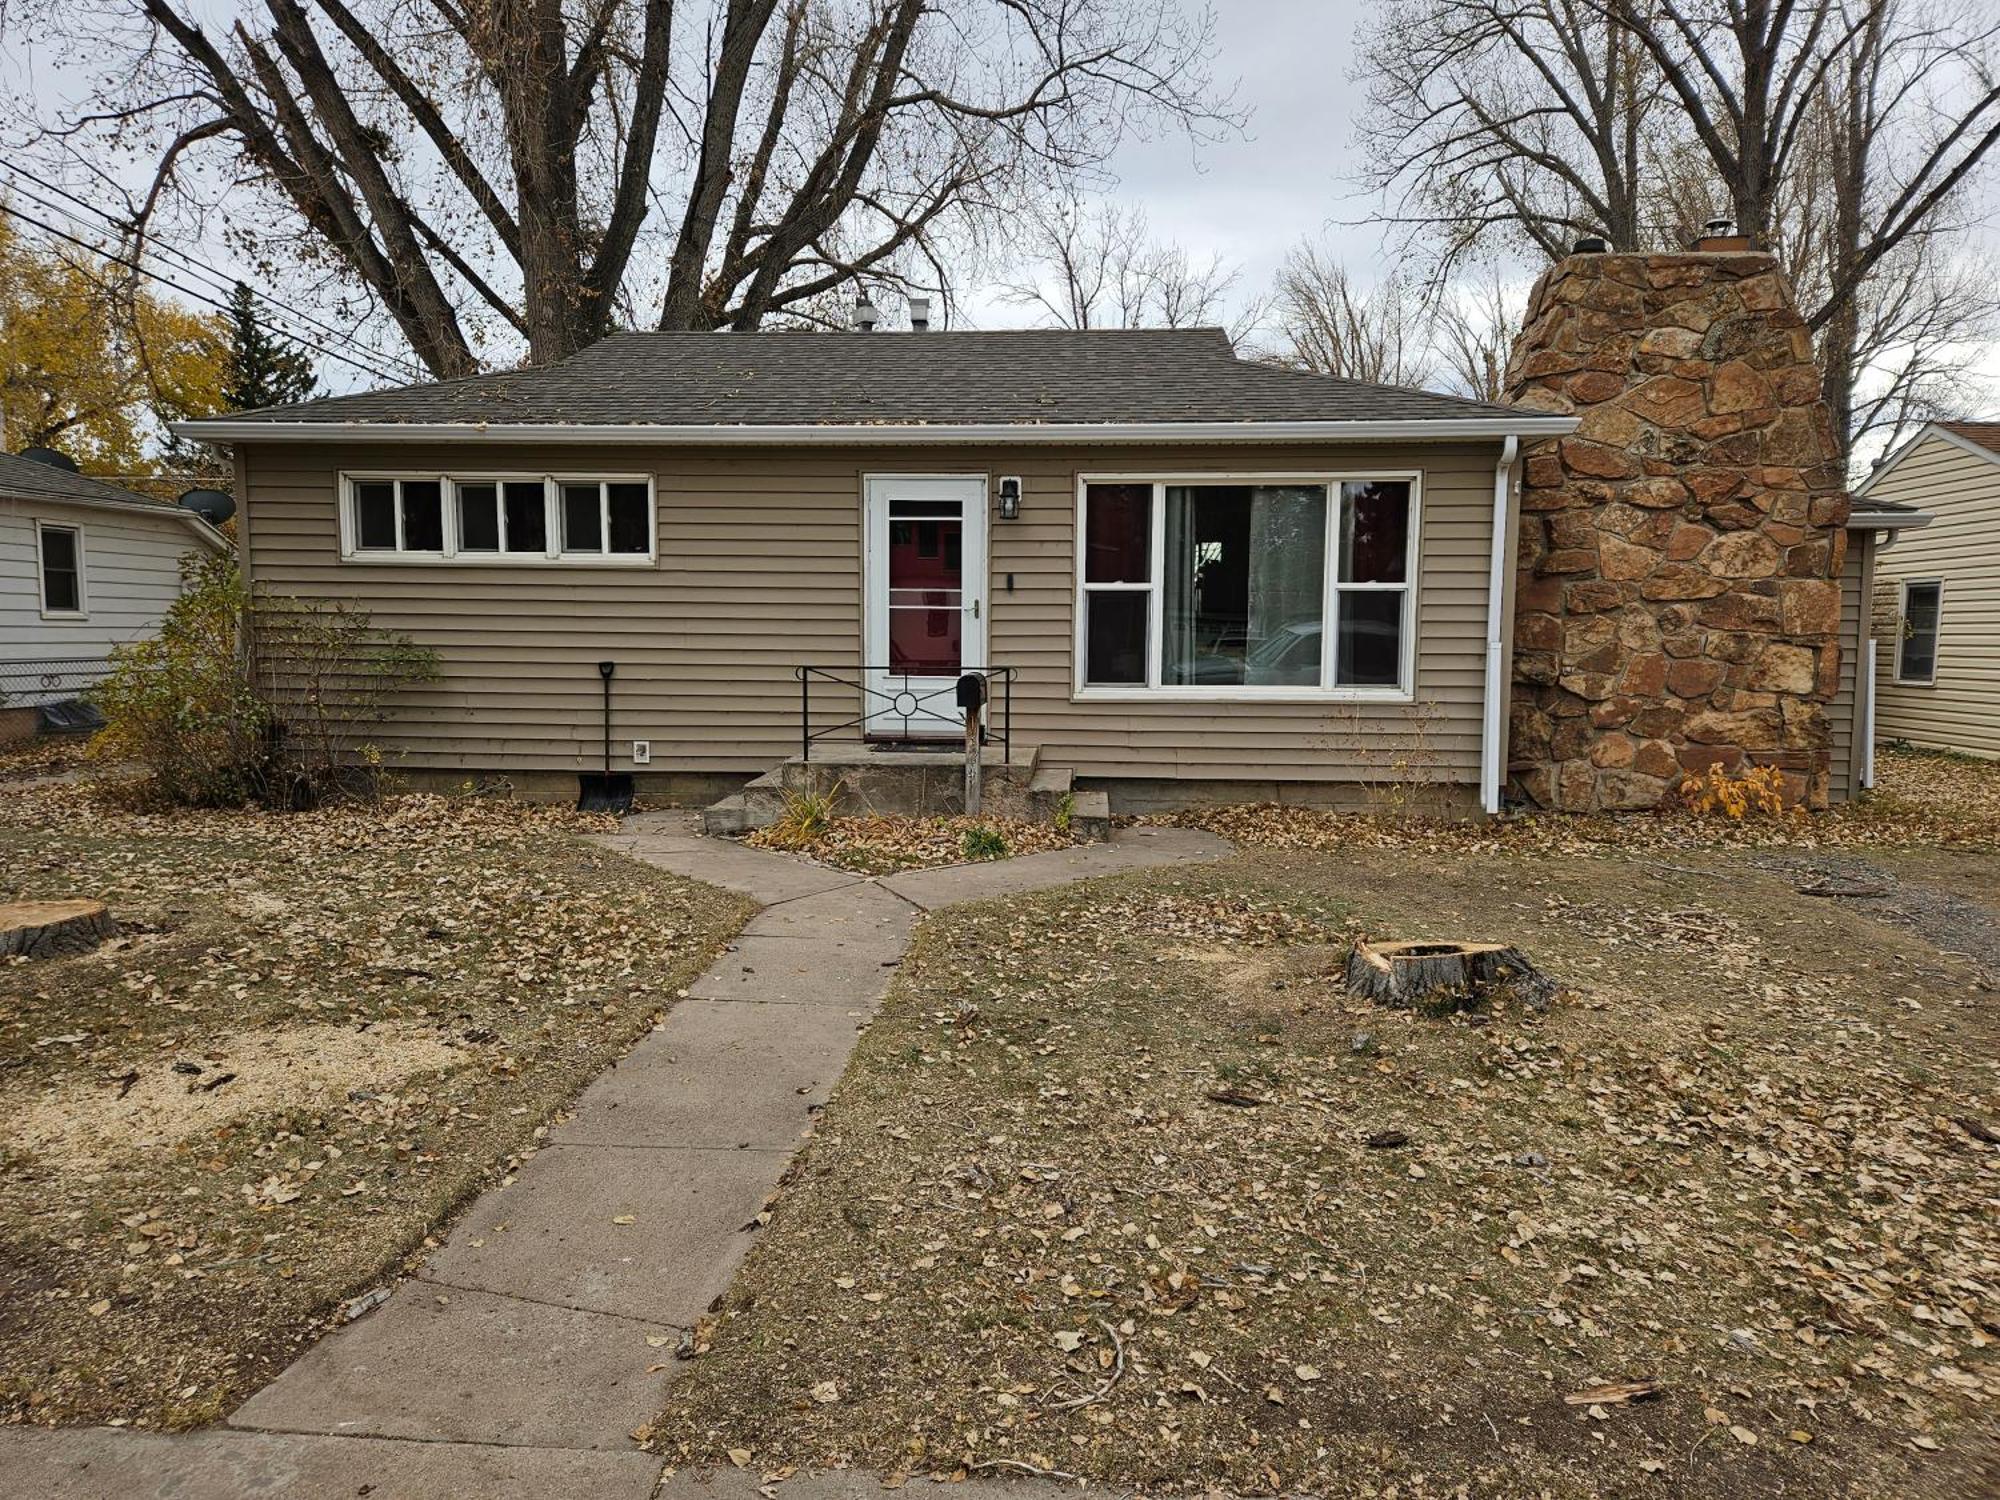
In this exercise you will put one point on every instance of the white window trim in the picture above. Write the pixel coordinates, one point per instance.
(1902, 634)
(82, 610)
(551, 482)
(1154, 690)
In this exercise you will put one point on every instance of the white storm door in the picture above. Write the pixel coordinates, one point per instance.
(924, 592)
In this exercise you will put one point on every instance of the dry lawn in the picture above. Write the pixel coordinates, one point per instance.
(317, 1036)
(1097, 1196)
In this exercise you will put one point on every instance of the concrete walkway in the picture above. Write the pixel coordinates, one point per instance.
(519, 1360)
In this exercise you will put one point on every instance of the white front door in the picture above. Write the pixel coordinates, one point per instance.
(924, 586)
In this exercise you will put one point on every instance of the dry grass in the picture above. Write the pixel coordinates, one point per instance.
(1922, 799)
(1094, 1199)
(318, 1034)
(883, 844)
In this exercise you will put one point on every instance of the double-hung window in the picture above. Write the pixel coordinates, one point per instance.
(59, 551)
(505, 519)
(1917, 643)
(1254, 587)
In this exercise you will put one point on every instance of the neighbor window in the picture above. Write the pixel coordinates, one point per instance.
(61, 553)
(1220, 587)
(1916, 650)
(503, 519)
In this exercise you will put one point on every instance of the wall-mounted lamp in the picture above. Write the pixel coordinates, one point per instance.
(1010, 499)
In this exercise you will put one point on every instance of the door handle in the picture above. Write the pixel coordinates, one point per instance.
(974, 607)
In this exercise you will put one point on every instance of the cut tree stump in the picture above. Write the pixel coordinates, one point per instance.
(1443, 977)
(43, 929)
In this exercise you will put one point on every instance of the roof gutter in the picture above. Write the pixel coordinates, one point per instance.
(224, 430)
(1492, 733)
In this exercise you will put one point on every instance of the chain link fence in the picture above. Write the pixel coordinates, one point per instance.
(55, 689)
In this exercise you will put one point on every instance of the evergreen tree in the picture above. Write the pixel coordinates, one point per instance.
(264, 370)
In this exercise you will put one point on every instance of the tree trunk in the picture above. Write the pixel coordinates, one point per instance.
(44, 929)
(1438, 978)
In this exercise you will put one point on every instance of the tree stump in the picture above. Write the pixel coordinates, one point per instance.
(43, 929)
(1441, 977)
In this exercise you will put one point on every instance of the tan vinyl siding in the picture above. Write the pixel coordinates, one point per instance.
(760, 570)
(1961, 547)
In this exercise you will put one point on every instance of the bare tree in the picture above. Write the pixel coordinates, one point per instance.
(1474, 330)
(518, 169)
(1094, 264)
(1322, 320)
(1837, 132)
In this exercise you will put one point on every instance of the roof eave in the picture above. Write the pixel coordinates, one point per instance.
(1526, 424)
(187, 518)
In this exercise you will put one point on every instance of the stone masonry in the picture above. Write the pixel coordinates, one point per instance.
(1679, 598)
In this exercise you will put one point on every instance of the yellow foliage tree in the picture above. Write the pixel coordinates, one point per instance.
(93, 364)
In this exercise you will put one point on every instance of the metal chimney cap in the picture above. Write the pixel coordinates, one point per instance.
(1719, 227)
(865, 314)
(1591, 244)
(920, 314)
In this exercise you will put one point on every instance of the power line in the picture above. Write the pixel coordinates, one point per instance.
(213, 277)
(168, 281)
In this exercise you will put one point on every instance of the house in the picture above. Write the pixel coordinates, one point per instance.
(1187, 575)
(84, 566)
(1936, 594)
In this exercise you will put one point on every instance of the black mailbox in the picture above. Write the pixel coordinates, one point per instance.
(972, 690)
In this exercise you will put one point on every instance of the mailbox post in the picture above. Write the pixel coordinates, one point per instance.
(971, 702)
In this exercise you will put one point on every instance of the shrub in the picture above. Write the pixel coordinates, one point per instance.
(1759, 789)
(181, 702)
(325, 674)
(983, 841)
(217, 731)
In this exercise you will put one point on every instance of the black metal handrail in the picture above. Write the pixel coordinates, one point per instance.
(906, 702)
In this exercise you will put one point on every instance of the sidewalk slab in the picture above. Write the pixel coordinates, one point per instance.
(553, 1237)
(864, 914)
(1126, 850)
(469, 1367)
(764, 877)
(719, 1073)
(785, 971)
(102, 1463)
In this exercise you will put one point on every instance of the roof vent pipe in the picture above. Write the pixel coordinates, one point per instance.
(920, 314)
(865, 315)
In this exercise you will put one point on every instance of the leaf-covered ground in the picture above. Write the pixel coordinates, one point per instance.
(881, 844)
(1097, 1195)
(316, 1036)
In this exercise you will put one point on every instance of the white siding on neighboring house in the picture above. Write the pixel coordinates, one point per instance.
(131, 573)
(1960, 487)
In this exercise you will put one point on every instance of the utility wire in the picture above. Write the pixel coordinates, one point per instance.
(208, 274)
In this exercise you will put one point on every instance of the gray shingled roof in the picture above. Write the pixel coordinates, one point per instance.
(26, 479)
(1022, 377)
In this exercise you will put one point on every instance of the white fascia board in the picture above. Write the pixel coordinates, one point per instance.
(1528, 424)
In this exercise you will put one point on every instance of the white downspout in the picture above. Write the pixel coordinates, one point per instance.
(1492, 738)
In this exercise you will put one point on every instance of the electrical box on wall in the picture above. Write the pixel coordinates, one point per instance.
(642, 752)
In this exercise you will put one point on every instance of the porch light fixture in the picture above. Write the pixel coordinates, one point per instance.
(1010, 499)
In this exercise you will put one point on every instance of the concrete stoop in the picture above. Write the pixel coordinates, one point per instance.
(914, 782)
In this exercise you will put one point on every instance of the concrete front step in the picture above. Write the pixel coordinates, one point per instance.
(913, 783)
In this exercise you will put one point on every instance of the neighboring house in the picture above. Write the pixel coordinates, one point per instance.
(1193, 577)
(1936, 593)
(84, 566)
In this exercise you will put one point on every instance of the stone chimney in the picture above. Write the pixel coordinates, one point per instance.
(1679, 598)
